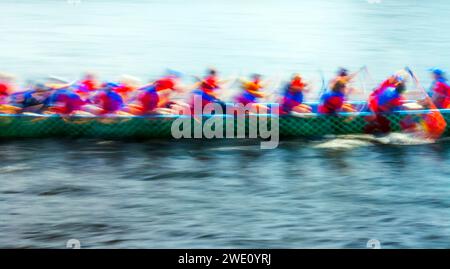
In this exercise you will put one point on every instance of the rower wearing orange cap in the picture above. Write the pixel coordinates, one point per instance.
(156, 95)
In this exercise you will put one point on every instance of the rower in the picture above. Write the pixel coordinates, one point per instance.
(6, 87)
(207, 89)
(127, 85)
(251, 91)
(293, 96)
(33, 99)
(108, 100)
(64, 101)
(388, 101)
(6, 93)
(391, 81)
(156, 95)
(87, 85)
(391, 99)
(440, 89)
(333, 101)
(342, 76)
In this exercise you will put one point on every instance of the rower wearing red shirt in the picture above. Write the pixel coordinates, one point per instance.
(391, 99)
(156, 95)
(107, 99)
(391, 82)
(5, 91)
(440, 89)
(6, 87)
(333, 101)
(293, 96)
(388, 101)
(207, 89)
(64, 101)
(87, 85)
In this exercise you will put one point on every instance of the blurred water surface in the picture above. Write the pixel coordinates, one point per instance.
(305, 194)
(223, 194)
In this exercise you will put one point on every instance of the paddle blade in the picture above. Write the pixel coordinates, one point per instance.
(434, 124)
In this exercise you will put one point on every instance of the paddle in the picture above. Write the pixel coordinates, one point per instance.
(323, 88)
(65, 83)
(355, 74)
(58, 79)
(351, 76)
(368, 75)
(434, 122)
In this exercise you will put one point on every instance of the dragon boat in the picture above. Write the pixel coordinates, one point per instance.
(160, 126)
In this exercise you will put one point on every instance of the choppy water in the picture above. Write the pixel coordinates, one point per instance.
(222, 194)
(306, 194)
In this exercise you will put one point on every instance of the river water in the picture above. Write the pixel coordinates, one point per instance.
(332, 193)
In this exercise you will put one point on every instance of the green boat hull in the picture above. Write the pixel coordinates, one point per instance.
(311, 125)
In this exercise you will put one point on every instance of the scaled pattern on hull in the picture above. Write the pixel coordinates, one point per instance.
(159, 126)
